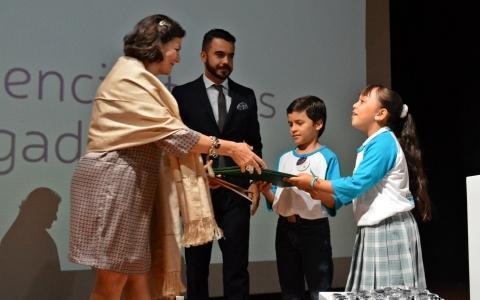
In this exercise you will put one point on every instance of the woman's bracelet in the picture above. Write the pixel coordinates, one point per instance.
(215, 144)
(313, 182)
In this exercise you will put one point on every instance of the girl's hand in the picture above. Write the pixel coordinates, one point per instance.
(323, 190)
(302, 181)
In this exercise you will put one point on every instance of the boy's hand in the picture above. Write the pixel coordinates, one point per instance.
(264, 187)
(254, 196)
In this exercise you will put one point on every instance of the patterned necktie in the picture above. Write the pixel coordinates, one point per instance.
(222, 106)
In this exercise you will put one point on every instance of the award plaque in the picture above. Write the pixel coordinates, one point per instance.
(274, 177)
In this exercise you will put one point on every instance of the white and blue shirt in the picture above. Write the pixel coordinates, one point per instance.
(379, 186)
(291, 200)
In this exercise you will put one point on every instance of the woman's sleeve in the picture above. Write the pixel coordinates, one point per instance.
(180, 142)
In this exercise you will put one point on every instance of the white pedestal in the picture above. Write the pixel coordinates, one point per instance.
(328, 295)
(473, 213)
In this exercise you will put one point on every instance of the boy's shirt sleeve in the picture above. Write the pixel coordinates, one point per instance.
(379, 158)
(333, 172)
(333, 168)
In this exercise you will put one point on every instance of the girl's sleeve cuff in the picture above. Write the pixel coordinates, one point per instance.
(332, 211)
(268, 205)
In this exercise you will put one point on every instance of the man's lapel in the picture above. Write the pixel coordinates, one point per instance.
(236, 98)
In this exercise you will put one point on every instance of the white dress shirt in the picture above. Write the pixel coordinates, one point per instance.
(212, 93)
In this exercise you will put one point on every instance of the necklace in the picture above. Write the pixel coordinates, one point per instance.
(303, 163)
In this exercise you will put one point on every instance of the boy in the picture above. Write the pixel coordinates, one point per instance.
(302, 242)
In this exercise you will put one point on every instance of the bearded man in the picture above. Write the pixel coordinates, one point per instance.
(217, 106)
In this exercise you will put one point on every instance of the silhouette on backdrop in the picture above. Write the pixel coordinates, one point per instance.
(29, 264)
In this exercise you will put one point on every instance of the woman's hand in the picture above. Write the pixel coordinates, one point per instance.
(246, 159)
(241, 153)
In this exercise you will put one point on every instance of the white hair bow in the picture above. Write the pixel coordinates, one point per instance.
(404, 111)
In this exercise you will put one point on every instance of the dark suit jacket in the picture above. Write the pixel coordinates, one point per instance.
(241, 123)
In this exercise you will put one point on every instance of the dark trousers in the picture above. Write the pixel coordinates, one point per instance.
(304, 253)
(233, 216)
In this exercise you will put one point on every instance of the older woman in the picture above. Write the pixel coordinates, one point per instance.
(142, 170)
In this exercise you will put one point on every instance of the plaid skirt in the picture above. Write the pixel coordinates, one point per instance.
(112, 195)
(387, 254)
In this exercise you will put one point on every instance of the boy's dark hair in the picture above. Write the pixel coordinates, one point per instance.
(404, 129)
(216, 33)
(143, 43)
(313, 106)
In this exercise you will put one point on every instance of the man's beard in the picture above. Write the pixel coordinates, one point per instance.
(220, 73)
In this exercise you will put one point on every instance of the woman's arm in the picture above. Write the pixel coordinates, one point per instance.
(187, 140)
(241, 153)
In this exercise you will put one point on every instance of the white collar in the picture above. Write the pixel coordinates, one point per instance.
(208, 83)
(383, 129)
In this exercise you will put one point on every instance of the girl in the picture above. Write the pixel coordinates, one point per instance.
(387, 248)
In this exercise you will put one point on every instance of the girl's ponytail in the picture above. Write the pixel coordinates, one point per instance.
(407, 137)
